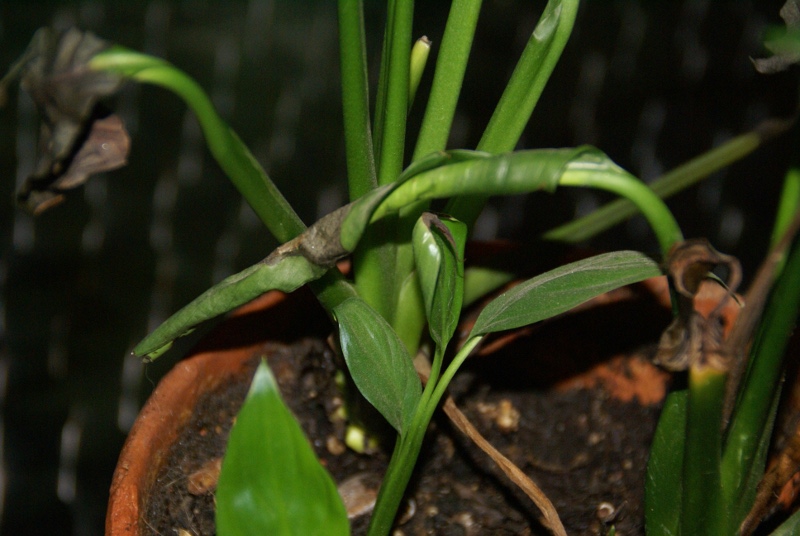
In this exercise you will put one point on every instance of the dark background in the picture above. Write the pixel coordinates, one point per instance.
(650, 83)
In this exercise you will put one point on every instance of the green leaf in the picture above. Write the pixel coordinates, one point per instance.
(378, 362)
(362, 210)
(562, 289)
(271, 481)
(704, 510)
(790, 527)
(287, 274)
(506, 174)
(663, 495)
(753, 416)
(439, 255)
(228, 150)
(522, 93)
(441, 175)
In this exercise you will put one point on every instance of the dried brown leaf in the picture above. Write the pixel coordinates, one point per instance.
(694, 338)
(76, 138)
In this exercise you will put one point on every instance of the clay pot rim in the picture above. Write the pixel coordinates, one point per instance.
(155, 430)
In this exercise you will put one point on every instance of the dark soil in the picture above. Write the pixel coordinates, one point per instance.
(569, 410)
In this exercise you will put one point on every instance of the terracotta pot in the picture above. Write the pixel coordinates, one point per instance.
(221, 355)
(272, 317)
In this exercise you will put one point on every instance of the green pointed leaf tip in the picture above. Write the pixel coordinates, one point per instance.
(287, 274)
(561, 289)
(271, 481)
(438, 245)
(378, 362)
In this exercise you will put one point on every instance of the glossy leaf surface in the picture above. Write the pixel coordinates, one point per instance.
(562, 289)
(439, 255)
(378, 362)
(271, 481)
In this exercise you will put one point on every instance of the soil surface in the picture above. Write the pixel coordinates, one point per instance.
(580, 426)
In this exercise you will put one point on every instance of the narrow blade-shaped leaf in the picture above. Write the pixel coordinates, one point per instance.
(505, 174)
(663, 495)
(459, 173)
(287, 274)
(562, 289)
(439, 255)
(378, 362)
(271, 481)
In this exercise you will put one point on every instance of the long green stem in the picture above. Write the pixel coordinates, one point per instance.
(671, 183)
(762, 380)
(448, 78)
(361, 175)
(376, 257)
(787, 206)
(519, 99)
(451, 64)
(658, 215)
(232, 155)
(408, 446)
(394, 91)
(702, 512)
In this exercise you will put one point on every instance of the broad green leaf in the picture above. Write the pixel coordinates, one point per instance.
(378, 362)
(287, 274)
(663, 495)
(562, 289)
(271, 481)
(439, 255)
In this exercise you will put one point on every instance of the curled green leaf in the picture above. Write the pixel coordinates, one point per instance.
(287, 274)
(439, 255)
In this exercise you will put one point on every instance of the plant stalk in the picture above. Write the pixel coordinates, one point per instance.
(232, 155)
(522, 93)
(665, 186)
(361, 175)
(408, 446)
(702, 512)
(658, 215)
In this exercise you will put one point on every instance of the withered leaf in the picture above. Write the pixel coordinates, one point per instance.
(693, 338)
(105, 148)
(76, 138)
(784, 54)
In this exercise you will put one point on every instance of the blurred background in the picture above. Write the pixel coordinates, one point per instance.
(651, 83)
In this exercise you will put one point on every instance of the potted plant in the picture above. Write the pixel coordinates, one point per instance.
(409, 280)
